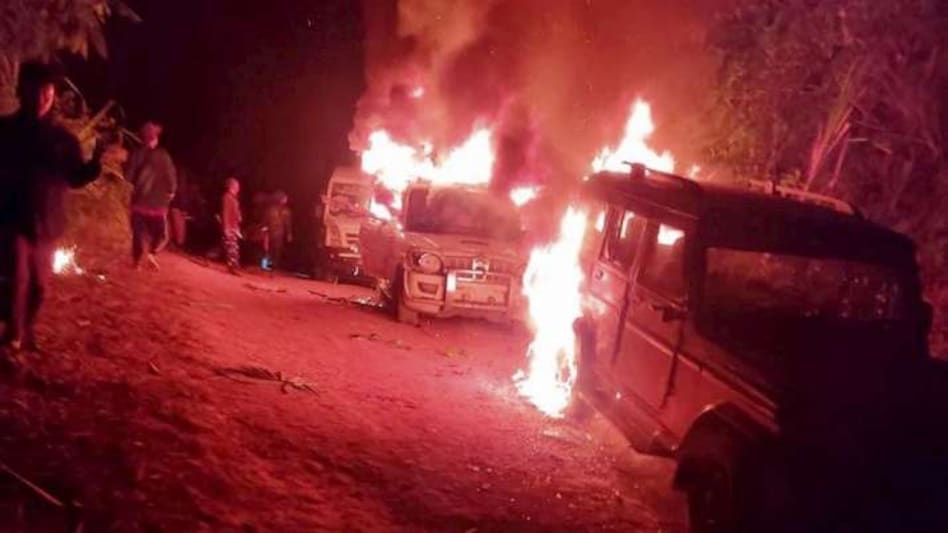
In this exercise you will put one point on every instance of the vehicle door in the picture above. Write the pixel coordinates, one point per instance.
(653, 322)
(609, 281)
(376, 238)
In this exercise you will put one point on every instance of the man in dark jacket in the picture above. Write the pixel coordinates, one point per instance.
(154, 180)
(39, 162)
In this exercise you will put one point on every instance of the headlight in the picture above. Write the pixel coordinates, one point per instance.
(427, 262)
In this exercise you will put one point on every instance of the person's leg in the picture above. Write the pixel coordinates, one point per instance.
(138, 237)
(159, 233)
(41, 266)
(177, 219)
(276, 250)
(232, 251)
(20, 293)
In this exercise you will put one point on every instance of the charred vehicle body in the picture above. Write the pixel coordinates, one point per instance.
(774, 345)
(455, 251)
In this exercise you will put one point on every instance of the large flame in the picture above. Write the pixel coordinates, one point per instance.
(397, 165)
(552, 283)
(633, 147)
(553, 280)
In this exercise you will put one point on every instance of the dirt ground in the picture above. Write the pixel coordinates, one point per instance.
(189, 400)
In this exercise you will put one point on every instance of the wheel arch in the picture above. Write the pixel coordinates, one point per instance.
(725, 421)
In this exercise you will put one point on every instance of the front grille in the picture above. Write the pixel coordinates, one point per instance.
(493, 266)
(496, 279)
(458, 263)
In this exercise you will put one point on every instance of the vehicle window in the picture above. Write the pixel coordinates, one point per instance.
(623, 239)
(757, 283)
(664, 268)
(465, 212)
(349, 199)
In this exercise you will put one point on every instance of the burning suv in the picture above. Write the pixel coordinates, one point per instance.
(773, 344)
(455, 251)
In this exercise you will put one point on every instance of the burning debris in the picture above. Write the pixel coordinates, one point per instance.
(64, 262)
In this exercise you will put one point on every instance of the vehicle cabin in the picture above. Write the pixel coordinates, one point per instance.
(455, 251)
(698, 294)
(717, 320)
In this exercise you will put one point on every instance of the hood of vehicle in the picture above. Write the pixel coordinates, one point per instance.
(458, 245)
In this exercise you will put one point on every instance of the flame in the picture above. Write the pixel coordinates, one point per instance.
(472, 163)
(64, 261)
(554, 276)
(396, 165)
(668, 236)
(552, 283)
(521, 196)
(380, 211)
(633, 147)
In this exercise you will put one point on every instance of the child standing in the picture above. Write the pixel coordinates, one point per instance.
(230, 224)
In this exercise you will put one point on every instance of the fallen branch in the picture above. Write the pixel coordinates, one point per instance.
(33, 486)
(260, 373)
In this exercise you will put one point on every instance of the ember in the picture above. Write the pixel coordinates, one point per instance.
(552, 284)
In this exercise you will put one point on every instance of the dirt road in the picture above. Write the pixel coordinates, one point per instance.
(188, 400)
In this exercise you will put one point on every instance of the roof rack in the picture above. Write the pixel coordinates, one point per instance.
(799, 195)
(638, 171)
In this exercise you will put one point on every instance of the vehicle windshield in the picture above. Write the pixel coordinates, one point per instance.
(464, 212)
(349, 199)
(759, 284)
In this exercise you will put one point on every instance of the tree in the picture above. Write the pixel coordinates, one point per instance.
(39, 29)
(843, 97)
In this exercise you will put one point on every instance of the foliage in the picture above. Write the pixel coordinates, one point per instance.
(38, 29)
(843, 97)
(98, 214)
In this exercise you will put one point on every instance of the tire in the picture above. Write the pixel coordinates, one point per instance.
(712, 505)
(402, 313)
(733, 487)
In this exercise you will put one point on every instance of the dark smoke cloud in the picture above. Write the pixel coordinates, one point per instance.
(556, 79)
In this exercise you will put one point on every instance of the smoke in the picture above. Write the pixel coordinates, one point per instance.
(555, 80)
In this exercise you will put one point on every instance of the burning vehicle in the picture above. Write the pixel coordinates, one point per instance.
(455, 250)
(345, 206)
(773, 345)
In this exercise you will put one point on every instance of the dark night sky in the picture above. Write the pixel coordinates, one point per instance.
(265, 88)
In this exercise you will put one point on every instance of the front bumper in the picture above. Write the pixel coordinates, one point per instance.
(463, 293)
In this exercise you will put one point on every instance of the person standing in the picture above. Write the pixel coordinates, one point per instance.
(154, 181)
(279, 223)
(231, 219)
(40, 162)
